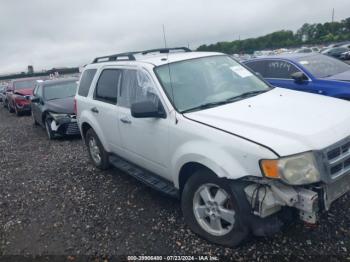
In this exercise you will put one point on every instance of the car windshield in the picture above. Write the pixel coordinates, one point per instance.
(24, 84)
(323, 66)
(60, 90)
(205, 82)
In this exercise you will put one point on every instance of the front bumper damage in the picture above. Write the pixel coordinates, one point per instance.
(267, 197)
(65, 126)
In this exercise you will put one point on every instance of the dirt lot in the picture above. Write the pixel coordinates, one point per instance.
(53, 202)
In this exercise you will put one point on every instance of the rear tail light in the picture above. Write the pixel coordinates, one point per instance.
(75, 106)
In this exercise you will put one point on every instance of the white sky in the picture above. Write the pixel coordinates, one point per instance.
(56, 33)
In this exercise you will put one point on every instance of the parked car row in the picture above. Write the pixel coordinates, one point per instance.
(243, 156)
(50, 102)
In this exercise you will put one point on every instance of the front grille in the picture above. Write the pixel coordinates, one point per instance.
(70, 128)
(338, 158)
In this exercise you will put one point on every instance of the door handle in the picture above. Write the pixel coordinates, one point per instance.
(125, 120)
(94, 110)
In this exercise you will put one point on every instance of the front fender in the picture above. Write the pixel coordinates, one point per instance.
(210, 155)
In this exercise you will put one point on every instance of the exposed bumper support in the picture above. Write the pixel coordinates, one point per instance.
(268, 198)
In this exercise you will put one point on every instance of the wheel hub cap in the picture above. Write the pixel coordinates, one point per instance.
(213, 209)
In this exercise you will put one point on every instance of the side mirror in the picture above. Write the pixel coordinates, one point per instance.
(299, 77)
(35, 100)
(147, 109)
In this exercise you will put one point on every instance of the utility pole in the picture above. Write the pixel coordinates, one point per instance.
(332, 15)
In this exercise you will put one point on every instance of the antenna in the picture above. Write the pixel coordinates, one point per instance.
(332, 15)
(164, 36)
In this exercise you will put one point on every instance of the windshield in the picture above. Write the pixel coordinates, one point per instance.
(323, 66)
(60, 90)
(24, 84)
(208, 81)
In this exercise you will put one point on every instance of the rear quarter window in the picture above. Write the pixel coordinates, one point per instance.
(85, 82)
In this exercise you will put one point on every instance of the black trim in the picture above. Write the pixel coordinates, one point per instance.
(273, 151)
(147, 177)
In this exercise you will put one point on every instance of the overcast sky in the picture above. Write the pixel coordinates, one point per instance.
(52, 33)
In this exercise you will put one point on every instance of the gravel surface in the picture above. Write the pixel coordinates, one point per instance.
(53, 202)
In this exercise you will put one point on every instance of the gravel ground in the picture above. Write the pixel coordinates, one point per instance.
(53, 202)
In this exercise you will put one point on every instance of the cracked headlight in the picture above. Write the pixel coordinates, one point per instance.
(295, 170)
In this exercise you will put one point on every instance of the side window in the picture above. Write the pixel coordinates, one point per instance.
(258, 67)
(137, 86)
(39, 91)
(280, 69)
(85, 82)
(107, 86)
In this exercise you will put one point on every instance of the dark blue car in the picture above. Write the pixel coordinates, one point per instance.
(314, 73)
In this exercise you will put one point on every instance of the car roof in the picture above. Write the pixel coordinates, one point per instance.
(58, 81)
(292, 57)
(157, 59)
(25, 79)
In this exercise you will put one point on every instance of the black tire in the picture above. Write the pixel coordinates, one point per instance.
(34, 121)
(103, 164)
(18, 113)
(49, 132)
(11, 110)
(239, 231)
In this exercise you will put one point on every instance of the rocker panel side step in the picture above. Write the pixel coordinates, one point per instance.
(144, 176)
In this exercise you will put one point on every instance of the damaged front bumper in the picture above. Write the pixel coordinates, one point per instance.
(267, 197)
(65, 125)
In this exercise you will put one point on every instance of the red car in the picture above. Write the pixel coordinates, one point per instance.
(18, 94)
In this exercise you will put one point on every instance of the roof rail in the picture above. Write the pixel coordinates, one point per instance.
(117, 57)
(130, 55)
(165, 50)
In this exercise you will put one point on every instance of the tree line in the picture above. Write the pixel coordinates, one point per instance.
(308, 34)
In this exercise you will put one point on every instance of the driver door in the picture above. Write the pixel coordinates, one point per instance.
(144, 141)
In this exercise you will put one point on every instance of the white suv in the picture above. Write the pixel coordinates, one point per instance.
(200, 126)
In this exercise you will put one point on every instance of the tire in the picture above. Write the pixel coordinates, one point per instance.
(49, 132)
(34, 121)
(98, 155)
(234, 232)
(18, 113)
(11, 110)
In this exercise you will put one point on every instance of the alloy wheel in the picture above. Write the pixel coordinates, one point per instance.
(94, 151)
(213, 209)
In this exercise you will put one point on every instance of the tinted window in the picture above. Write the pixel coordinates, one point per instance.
(258, 67)
(322, 66)
(107, 86)
(280, 69)
(60, 90)
(137, 86)
(85, 81)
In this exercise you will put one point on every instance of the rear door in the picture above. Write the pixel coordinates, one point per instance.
(103, 105)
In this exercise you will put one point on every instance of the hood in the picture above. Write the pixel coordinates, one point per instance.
(345, 76)
(24, 92)
(63, 105)
(286, 121)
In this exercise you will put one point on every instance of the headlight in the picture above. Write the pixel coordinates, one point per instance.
(59, 116)
(295, 170)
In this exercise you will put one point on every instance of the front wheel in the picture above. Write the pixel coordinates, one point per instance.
(49, 132)
(98, 155)
(212, 210)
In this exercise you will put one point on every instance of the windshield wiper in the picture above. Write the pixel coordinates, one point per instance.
(204, 106)
(245, 95)
(226, 101)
